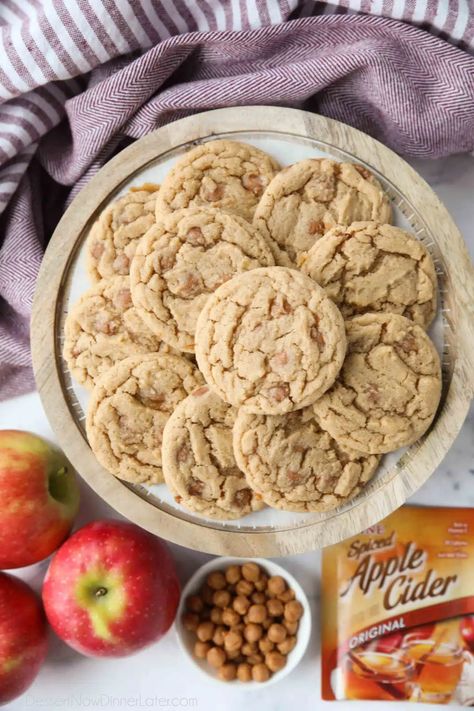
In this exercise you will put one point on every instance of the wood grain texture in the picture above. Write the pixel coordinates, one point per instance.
(416, 465)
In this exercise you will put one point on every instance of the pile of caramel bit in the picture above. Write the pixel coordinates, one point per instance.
(244, 621)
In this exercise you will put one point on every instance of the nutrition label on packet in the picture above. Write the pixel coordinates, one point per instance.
(398, 610)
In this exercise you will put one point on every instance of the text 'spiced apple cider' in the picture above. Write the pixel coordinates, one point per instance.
(398, 610)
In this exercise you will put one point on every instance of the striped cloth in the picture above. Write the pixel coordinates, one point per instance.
(79, 79)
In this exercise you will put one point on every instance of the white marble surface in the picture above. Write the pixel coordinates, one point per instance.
(159, 677)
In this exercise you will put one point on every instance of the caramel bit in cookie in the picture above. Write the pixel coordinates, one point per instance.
(363, 171)
(156, 397)
(105, 324)
(165, 263)
(293, 476)
(253, 182)
(221, 280)
(121, 264)
(279, 392)
(373, 393)
(195, 236)
(280, 307)
(200, 391)
(408, 344)
(279, 359)
(213, 191)
(316, 227)
(182, 454)
(195, 487)
(317, 336)
(97, 249)
(243, 497)
(191, 285)
(123, 300)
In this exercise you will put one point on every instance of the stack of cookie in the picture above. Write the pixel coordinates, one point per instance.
(304, 308)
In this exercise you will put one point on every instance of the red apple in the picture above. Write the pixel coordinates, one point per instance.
(111, 589)
(39, 498)
(23, 637)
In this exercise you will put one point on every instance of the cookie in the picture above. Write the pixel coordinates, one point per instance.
(104, 327)
(306, 199)
(388, 390)
(224, 174)
(198, 460)
(270, 340)
(368, 266)
(129, 408)
(182, 259)
(295, 465)
(114, 236)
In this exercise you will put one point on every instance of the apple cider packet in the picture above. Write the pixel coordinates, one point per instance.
(398, 610)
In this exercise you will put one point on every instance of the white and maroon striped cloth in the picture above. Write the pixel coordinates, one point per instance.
(81, 78)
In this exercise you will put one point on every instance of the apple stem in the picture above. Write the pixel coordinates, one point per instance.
(100, 592)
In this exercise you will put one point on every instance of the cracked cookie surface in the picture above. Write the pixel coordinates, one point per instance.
(224, 174)
(388, 390)
(114, 236)
(129, 408)
(182, 259)
(306, 199)
(270, 340)
(198, 460)
(295, 465)
(368, 266)
(104, 327)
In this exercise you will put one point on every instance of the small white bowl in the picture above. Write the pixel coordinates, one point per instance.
(187, 639)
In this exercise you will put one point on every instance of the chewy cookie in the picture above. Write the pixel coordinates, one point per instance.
(198, 461)
(114, 236)
(368, 266)
(104, 327)
(270, 340)
(129, 408)
(182, 259)
(306, 199)
(388, 390)
(296, 466)
(224, 174)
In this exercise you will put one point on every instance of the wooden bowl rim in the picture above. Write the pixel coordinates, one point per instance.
(459, 311)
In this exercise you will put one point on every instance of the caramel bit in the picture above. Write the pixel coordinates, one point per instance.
(293, 476)
(372, 392)
(222, 279)
(212, 194)
(363, 171)
(243, 497)
(105, 324)
(191, 285)
(195, 236)
(195, 487)
(123, 300)
(182, 453)
(178, 499)
(317, 336)
(154, 396)
(121, 264)
(279, 359)
(280, 307)
(166, 263)
(200, 391)
(253, 182)
(316, 227)
(408, 344)
(279, 392)
(97, 249)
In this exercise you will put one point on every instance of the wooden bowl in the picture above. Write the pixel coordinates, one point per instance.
(295, 134)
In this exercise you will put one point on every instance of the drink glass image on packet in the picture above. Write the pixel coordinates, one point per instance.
(398, 610)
